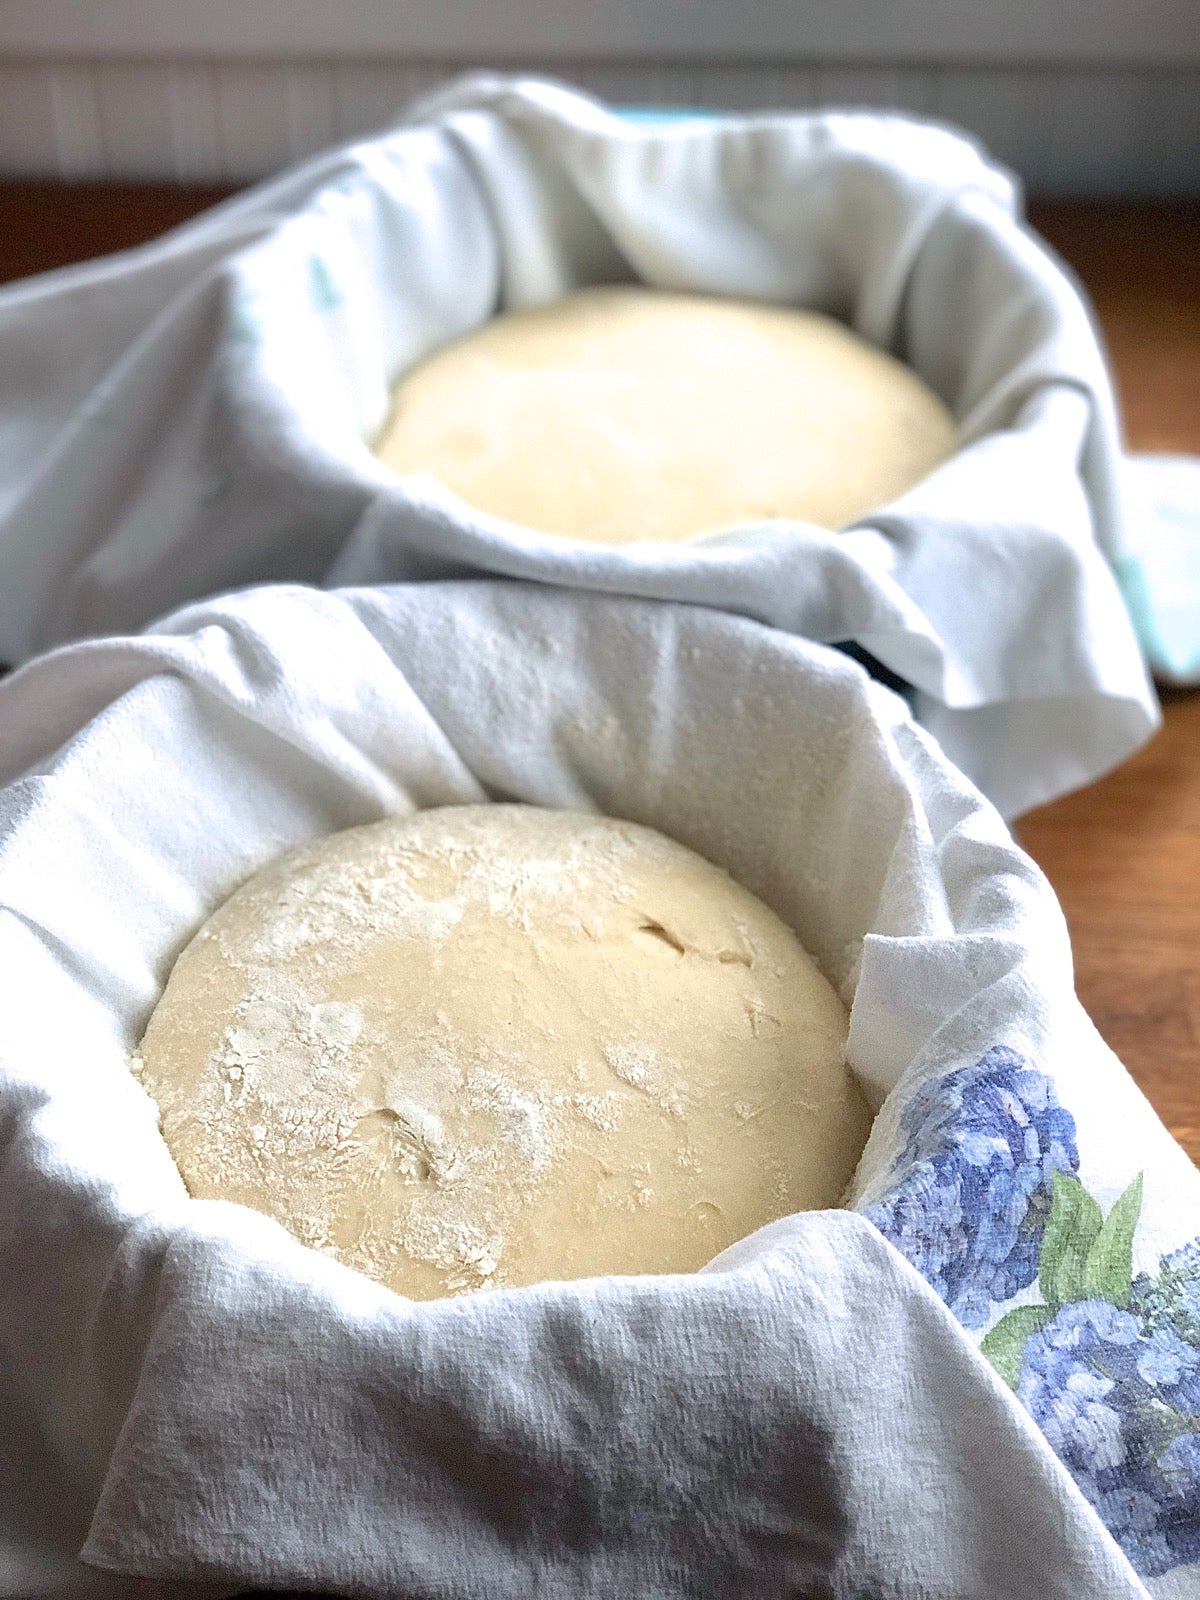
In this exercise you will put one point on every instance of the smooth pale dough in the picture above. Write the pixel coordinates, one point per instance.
(492, 1045)
(620, 413)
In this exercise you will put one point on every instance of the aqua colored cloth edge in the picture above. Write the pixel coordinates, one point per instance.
(637, 113)
(1160, 573)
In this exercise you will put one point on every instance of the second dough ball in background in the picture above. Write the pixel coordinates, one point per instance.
(625, 413)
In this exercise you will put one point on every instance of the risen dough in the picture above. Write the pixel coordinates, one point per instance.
(490, 1045)
(626, 413)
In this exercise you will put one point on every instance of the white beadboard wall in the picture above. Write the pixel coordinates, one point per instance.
(1123, 130)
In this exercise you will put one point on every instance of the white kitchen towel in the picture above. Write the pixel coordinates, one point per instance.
(1000, 1401)
(197, 415)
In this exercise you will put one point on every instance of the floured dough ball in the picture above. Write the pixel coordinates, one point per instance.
(626, 413)
(489, 1045)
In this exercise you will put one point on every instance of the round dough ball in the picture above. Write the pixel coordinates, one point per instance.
(621, 413)
(493, 1045)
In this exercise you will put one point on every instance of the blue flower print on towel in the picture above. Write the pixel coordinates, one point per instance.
(982, 1146)
(1108, 1365)
(1171, 1301)
(1119, 1406)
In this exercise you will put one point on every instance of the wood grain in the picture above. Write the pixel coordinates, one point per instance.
(1141, 268)
(47, 225)
(1124, 854)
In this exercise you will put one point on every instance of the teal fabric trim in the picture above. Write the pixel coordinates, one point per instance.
(1168, 630)
(666, 114)
(1159, 574)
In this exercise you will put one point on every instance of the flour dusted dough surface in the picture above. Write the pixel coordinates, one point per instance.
(493, 1045)
(624, 413)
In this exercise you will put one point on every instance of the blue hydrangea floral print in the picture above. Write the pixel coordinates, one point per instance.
(981, 1147)
(987, 1202)
(1118, 1403)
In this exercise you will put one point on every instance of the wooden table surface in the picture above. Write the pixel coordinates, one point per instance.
(1124, 854)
